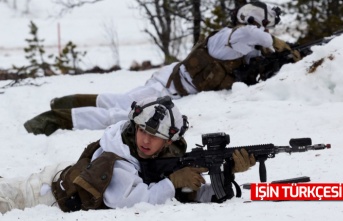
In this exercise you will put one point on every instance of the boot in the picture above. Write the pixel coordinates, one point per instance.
(72, 101)
(50, 121)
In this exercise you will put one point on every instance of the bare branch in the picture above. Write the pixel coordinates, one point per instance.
(154, 39)
(112, 37)
(69, 5)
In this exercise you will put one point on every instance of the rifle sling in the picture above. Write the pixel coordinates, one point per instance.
(176, 78)
(238, 189)
(233, 30)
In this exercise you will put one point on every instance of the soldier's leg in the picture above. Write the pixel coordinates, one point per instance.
(112, 108)
(21, 193)
(73, 101)
(50, 121)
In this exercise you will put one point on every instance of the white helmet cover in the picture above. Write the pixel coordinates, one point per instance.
(159, 117)
(260, 13)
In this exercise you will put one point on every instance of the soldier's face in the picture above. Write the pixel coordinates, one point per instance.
(148, 145)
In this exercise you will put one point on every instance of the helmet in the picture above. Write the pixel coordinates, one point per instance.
(159, 117)
(260, 13)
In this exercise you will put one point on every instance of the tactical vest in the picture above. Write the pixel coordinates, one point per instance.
(81, 186)
(207, 73)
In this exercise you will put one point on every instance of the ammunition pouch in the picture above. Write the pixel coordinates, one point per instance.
(207, 73)
(82, 185)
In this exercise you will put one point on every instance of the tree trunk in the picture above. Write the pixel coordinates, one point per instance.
(196, 20)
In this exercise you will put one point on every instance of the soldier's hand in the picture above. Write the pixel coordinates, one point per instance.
(296, 55)
(266, 51)
(188, 177)
(242, 161)
(280, 45)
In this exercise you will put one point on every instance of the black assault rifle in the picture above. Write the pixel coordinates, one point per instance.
(218, 159)
(262, 68)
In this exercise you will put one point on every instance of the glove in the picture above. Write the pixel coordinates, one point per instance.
(266, 51)
(242, 161)
(280, 45)
(296, 55)
(188, 177)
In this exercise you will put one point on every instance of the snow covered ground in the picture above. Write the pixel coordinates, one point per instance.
(292, 104)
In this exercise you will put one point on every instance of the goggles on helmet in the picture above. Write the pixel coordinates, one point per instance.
(157, 118)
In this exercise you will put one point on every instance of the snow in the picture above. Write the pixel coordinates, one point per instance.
(88, 27)
(292, 104)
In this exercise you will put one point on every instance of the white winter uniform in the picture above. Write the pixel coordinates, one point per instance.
(21, 193)
(125, 189)
(112, 108)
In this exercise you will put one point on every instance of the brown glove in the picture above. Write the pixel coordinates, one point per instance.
(188, 177)
(280, 45)
(266, 51)
(242, 161)
(296, 55)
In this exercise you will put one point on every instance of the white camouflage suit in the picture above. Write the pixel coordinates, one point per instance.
(112, 108)
(21, 193)
(125, 189)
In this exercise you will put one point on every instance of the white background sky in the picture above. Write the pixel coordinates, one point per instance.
(292, 104)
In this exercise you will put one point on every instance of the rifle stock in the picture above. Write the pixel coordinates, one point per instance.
(218, 159)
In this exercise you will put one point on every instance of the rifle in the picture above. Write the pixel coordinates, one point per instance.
(262, 68)
(218, 159)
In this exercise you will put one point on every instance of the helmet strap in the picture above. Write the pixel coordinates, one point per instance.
(262, 5)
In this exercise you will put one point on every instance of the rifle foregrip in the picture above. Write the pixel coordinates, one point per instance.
(263, 171)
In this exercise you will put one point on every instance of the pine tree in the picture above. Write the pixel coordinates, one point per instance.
(65, 63)
(35, 54)
(68, 60)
